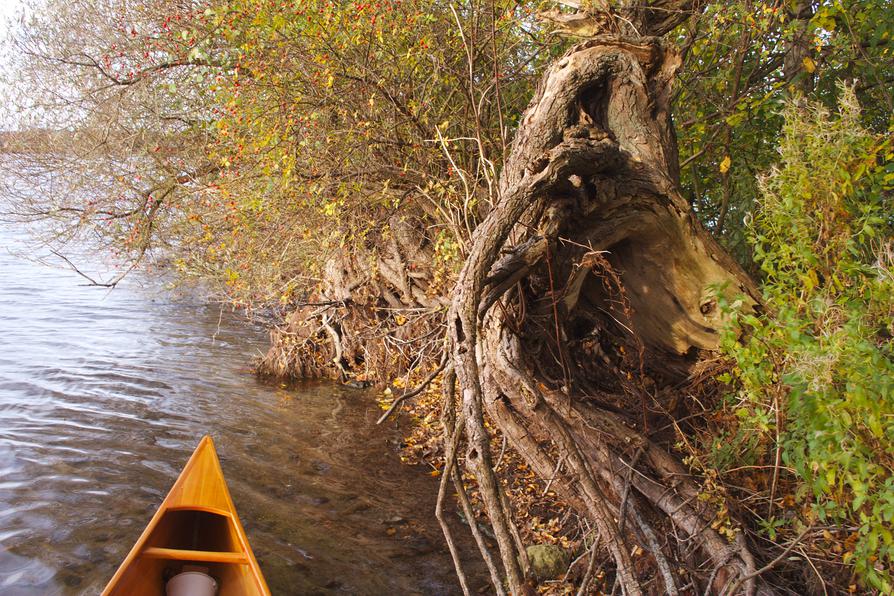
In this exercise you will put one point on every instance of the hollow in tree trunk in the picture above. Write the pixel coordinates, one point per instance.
(588, 297)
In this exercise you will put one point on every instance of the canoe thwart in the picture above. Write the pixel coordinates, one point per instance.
(195, 524)
(203, 556)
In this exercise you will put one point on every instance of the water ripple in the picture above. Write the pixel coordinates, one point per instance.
(103, 395)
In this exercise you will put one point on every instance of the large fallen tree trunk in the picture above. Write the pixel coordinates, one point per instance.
(588, 296)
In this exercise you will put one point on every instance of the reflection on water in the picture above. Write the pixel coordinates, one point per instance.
(103, 396)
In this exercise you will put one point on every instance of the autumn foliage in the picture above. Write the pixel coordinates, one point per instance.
(328, 162)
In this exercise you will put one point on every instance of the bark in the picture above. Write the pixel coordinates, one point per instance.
(797, 48)
(588, 298)
(606, 285)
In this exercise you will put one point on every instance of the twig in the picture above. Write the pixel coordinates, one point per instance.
(622, 510)
(768, 566)
(452, 435)
(777, 461)
(322, 303)
(652, 542)
(398, 401)
(588, 575)
(93, 282)
(661, 561)
(450, 445)
(815, 570)
(502, 453)
(553, 477)
(476, 532)
(516, 535)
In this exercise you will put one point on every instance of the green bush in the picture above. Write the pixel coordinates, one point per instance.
(815, 372)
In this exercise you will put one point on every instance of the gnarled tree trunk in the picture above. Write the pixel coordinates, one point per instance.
(588, 296)
(586, 303)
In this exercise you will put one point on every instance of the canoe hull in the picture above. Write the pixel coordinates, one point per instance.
(195, 526)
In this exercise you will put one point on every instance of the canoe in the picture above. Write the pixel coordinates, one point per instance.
(195, 528)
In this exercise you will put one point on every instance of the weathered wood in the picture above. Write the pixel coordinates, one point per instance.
(593, 171)
(587, 293)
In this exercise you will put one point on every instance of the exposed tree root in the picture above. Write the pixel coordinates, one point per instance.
(591, 231)
(587, 297)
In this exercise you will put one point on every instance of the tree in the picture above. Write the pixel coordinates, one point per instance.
(816, 370)
(352, 162)
(115, 98)
(598, 242)
(743, 61)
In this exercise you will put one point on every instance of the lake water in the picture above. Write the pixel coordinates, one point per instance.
(104, 395)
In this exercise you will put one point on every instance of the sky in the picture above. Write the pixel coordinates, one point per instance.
(8, 10)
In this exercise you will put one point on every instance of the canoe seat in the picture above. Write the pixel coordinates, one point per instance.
(203, 556)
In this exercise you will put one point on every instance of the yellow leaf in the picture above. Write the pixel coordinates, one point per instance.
(725, 164)
(809, 64)
(811, 280)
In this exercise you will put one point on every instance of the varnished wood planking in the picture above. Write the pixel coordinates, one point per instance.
(197, 522)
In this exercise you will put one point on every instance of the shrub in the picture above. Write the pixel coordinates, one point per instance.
(815, 372)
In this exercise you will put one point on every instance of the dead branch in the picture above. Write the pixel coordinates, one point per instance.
(409, 394)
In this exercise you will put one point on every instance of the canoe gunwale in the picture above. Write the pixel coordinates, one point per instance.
(185, 496)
